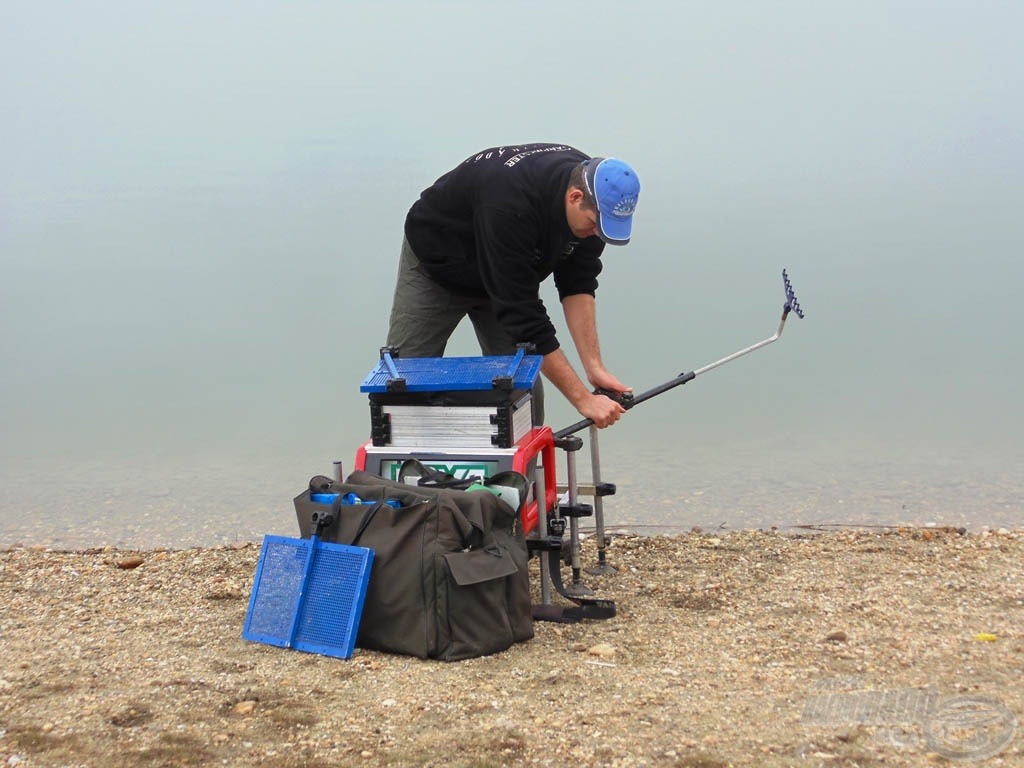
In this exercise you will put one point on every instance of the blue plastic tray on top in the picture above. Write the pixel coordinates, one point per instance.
(449, 374)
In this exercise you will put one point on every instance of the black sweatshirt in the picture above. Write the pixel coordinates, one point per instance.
(495, 227)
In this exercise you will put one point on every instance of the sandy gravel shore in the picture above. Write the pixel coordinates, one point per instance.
(849, 648)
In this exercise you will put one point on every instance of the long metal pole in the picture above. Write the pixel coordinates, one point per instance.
(540, 493)
(602, 566)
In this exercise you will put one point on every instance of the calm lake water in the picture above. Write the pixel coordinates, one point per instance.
(201, 209)
(201, 501)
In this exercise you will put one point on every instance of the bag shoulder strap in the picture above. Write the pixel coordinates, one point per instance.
(365, 522)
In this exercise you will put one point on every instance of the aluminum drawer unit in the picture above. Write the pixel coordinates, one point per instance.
(445, 403)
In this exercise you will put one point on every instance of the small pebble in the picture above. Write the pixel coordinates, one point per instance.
(244, 707)
(602, 650)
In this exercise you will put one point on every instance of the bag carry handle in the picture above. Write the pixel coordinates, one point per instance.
(435, 478)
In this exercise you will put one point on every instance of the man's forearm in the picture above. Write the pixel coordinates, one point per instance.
(581, 316)
(603, 411)
(556, 369)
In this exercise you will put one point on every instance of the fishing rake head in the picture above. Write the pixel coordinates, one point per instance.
(792, 305)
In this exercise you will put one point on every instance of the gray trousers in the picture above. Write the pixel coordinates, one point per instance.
(425, 314)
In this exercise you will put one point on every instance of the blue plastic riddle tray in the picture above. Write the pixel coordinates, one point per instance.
(449, 374)
(308, 595)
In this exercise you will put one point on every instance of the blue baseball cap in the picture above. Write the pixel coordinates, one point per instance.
(615, 187)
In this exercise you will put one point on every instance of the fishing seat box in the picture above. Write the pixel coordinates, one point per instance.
(451, 403)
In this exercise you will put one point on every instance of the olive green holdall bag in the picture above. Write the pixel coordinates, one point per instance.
(449, 578)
